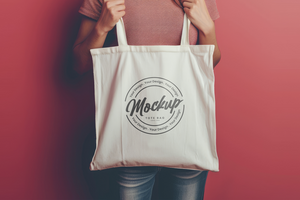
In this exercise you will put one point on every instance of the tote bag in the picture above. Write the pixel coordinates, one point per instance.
(155, 105)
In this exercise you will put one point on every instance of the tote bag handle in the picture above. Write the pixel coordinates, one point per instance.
(122, 40)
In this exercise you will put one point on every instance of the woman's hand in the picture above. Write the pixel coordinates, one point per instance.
(92, 34)
(111, 12)
(198, 14)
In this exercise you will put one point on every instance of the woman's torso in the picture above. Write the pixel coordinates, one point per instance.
(154, 22)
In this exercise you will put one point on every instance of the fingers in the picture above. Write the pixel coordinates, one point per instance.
(112, 3)
(190, 1)
(119, 8)
(188, 5)
(115, 7)
(193, 4)
(115, 2)
(111, 12)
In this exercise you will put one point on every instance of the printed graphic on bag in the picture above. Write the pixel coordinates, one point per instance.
(154, 105)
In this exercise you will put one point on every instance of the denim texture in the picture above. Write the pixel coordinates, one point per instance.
(136, 183)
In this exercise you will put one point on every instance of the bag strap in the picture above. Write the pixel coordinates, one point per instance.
(122, 40)
(121, 35)
(185, 31)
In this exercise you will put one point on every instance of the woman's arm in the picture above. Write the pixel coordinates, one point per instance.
(198, 14)
(92, 34)
(88, 38)
(209, 37)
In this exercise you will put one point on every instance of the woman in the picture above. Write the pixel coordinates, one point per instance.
(148, 22)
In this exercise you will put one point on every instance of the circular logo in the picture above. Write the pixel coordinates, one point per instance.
(154, 105)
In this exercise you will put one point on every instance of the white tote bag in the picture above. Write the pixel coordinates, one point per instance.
(155, 105)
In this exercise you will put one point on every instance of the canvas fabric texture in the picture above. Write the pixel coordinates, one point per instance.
(155, 105)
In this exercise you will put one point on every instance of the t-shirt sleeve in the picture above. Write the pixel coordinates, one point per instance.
(91, 8)
(212, 9)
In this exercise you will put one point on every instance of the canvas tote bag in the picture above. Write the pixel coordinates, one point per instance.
(155, 105)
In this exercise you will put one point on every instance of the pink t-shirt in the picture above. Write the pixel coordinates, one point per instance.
(149, 22)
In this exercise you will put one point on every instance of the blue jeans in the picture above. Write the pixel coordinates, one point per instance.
(136, 183)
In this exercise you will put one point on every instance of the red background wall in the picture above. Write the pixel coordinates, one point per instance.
(46, 112)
